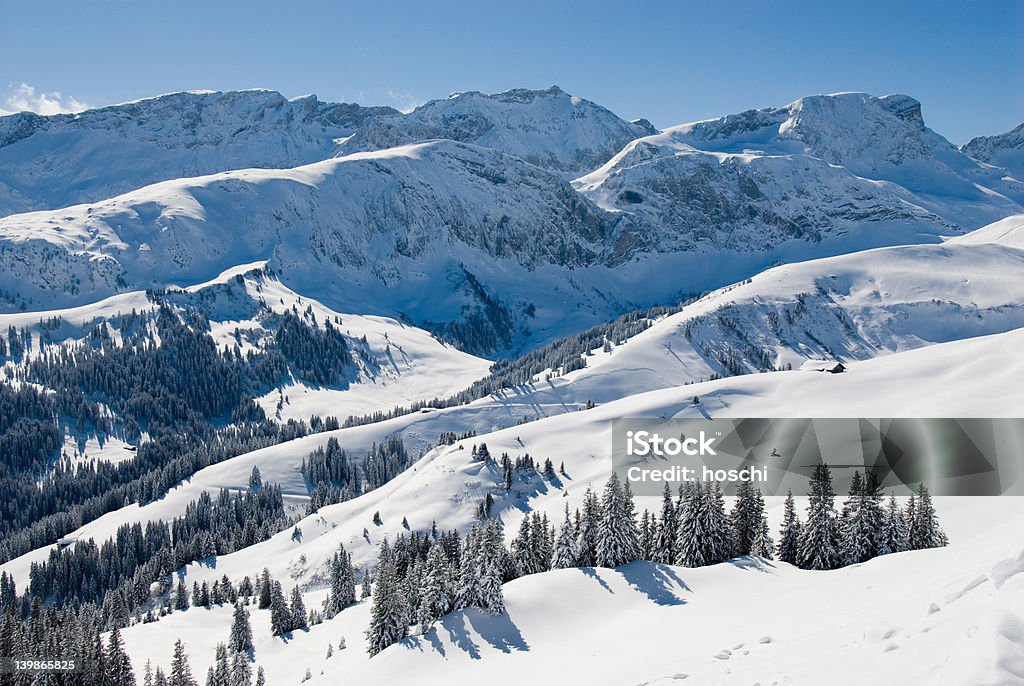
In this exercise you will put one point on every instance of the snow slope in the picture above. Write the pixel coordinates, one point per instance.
(946, 616)
(59, 160)
(978, 377)
(550, 128)
(879, 138)
(1009, 231)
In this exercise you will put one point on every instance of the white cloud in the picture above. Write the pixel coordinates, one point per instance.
(22, 97)
(405, 102)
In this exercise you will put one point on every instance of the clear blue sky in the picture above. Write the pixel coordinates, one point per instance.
(668, 61)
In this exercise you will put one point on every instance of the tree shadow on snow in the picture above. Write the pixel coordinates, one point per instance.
(750, 562)
(499, 631)
(592, 573)
(658, 582)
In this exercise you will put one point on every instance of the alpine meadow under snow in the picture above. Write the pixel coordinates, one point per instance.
(296, 391)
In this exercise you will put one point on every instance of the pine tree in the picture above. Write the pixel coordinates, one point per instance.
(297, 611)
(492, 598)
(181, 597)
(718, 528)
(241, 672)
(437, 593)
(894, 530)
(266, 587)
(220, 672)
(364, 592)
(745, 519)
(617, 536)
(861, 527)
(664, 545)
(181, 672)
(690, 545)
(118, 666)
(280, 616)
(924, 531)
(586, 532)
(819, 537)
(388, 612)
(789, 534)
(563, 556)
(261, 678)
(241, 631)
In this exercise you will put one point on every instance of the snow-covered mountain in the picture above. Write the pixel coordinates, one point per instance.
(1005, 150)
(879, 138)
(549, 128)
(254, 231)
(675, 197)
(54, 161)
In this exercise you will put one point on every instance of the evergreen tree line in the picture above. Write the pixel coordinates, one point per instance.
(334, 478)
(422, 577)
(67, 633)
(35, 515)
(866, 527)
(118, 574)
(166, 376)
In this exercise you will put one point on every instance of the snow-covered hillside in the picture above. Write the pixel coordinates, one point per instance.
(1005, 150)
(884, 139)
(948, 616)
(550, 128)
(59, 160)
(978, 377)
(1009, 232)
(250, 285)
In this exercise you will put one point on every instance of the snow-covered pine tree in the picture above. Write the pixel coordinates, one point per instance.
(523, 551)
(261, 677)
(280, 616)
(240, 639)
(648, 533)
(925, 531)
(617, 536)
(241, 672)
(691, 538)
(542, 540)
(364, 591)
(492, 597)
(563, 556)
(118, 670)
(664, 544)
(220, 672)
(819, 538)
(861, 525)
(266, 587)
(181, 672)
(745, 519)
(388, 612)
(297, 610)
(718, 528)
(789, 534)
(470, 571)
(585, 548)
(894, 530)
(437, 592)
(763, 545)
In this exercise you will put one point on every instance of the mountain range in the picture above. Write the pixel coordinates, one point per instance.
(204, 294)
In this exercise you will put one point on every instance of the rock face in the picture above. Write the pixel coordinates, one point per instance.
(1005, 150)
(549, 128)
(59, 160)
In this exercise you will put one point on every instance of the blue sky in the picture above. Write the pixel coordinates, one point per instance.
(671, 62)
